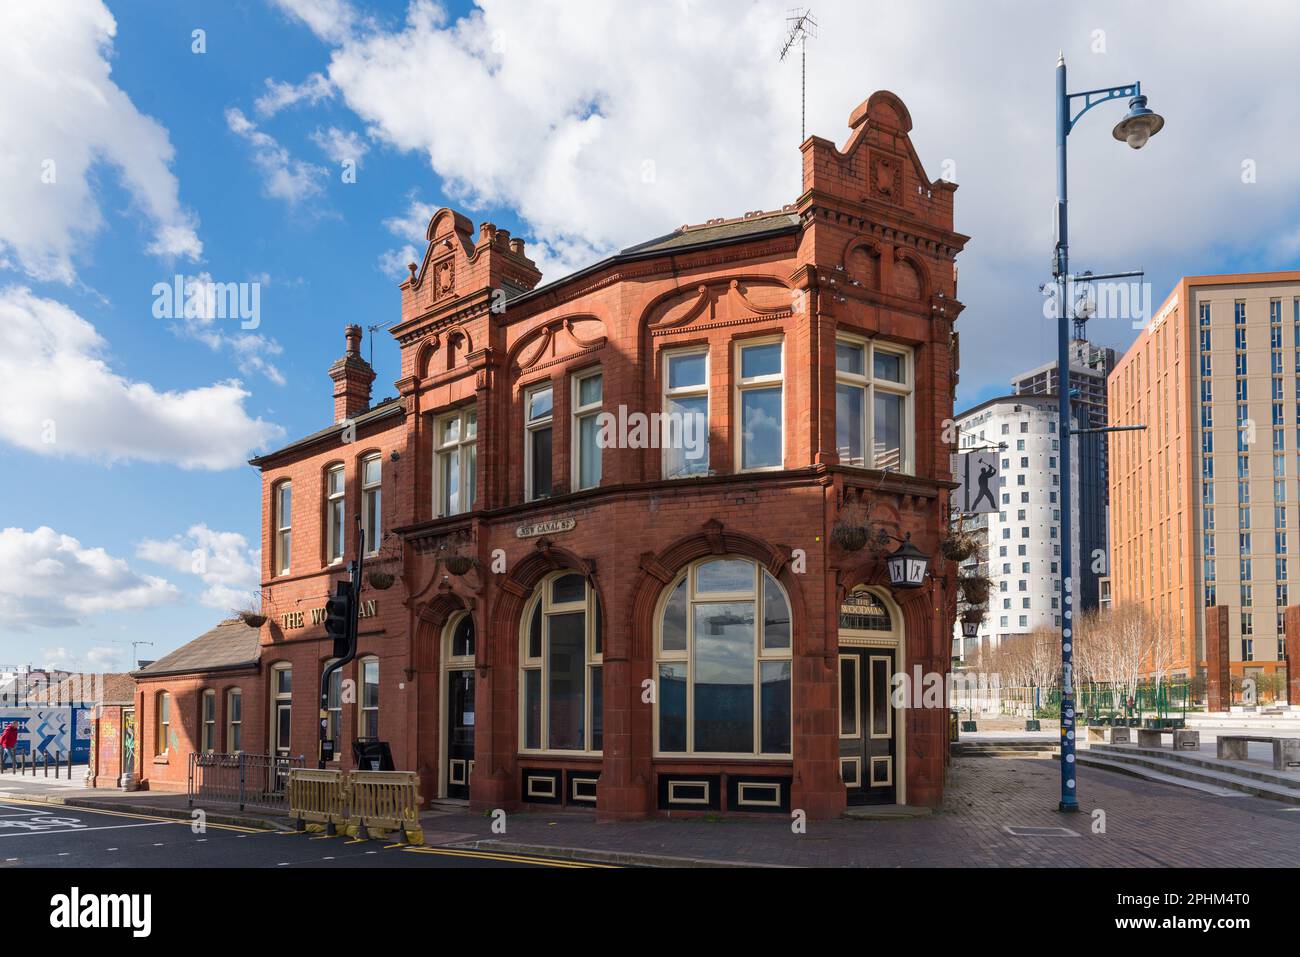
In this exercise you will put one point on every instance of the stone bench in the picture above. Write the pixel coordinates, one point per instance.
(1114, 734)
(1183, 739)
(1286, 751)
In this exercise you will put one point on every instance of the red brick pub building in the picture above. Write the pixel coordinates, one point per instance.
(642, 629)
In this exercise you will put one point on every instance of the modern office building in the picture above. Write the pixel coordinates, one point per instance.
(1204, 500)
(1020, 545)
(1090, 366)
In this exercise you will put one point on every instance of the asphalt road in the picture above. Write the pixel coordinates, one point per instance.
(36, 834)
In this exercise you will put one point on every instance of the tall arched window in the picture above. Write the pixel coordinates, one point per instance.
(723, 649)
(561, 689)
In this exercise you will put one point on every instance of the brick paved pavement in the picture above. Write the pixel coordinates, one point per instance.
(1147, 825)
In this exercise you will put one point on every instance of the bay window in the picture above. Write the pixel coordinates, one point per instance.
(561, 685)
(538, 422)
(685, 435)
(456, 466)
(723, 650)
(758, 401)
(588, 400)
(334, 514)
(372, 502)
(873, 405)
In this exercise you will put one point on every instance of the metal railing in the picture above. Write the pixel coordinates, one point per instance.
(248, 780)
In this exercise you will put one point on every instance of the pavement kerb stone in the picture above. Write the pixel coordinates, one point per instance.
(180, 814)
(627, 858)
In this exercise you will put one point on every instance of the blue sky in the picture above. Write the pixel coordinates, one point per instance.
(541, 117)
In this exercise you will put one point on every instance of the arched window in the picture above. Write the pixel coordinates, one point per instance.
(234, 720)
(208, 720)
(723, 649)
(334, 708)
(462, 639)
(368, 713)
(561, 691)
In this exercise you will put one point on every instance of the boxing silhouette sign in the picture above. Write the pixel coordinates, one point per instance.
(978, 474)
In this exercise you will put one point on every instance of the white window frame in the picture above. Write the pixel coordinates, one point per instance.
(530, 427)
(283, 558)
(693, 391)
(362, 708)
(162, 723)
(371, 490)
(280, 699)
(208, 721)
(743, 385)
(580, 413)
(467, 437)
(595, 659)
(233, 723)
(762, 654)
(870, 385)
(335, 506)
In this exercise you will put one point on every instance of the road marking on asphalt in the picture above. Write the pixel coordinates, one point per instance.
(86, 830)
(500, 856)
(134, 815)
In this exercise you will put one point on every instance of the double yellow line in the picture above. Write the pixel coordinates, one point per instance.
(502, 856)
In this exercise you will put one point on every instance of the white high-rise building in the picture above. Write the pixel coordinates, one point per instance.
(1020, 545)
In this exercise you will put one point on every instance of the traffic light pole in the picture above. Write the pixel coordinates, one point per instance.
(352, 592)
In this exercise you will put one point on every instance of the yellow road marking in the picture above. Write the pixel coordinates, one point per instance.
(503, 856)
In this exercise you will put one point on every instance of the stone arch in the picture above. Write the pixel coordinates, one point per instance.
(517, 588)
(430, 620)
(659, 570)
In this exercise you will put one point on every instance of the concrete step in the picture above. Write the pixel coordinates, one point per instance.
(1201, 760)
(1173, 770)
(1121, 767)
(1003, 749)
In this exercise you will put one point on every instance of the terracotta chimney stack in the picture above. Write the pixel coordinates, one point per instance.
(352, 377)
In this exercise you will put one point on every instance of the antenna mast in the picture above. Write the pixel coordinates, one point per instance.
(802, 26)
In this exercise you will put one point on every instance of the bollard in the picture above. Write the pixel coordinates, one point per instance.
(45, 764)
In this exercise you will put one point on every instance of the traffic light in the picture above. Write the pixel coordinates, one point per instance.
(338, 619)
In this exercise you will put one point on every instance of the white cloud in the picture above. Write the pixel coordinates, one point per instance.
(283, 177)
(280, 95)
(48, 580)
(411, 227)
(341, 145)
(63, 116)
(223, 561)
(63, 399)
(332, 20)
(602, 125)
(252, 352)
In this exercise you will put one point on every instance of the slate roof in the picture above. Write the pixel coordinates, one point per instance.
(88, 689)
(387, 407)
(230, 645)
(719, 232)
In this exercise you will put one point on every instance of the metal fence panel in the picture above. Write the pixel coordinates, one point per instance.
(246, 780)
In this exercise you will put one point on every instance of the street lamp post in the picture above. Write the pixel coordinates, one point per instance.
(1136, 128)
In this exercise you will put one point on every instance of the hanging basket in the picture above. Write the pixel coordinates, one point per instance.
(458, 564)
(958, 548)
(851, 538)
(381, 580)
(252, 619)
(975, 588)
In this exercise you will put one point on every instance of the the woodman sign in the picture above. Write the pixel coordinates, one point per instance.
(297, 619)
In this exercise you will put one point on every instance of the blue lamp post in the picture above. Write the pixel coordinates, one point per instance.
(1135, 129)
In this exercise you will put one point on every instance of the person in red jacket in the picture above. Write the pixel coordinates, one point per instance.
(9, 744)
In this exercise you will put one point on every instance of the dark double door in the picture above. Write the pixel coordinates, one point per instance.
(868, 758)
(460, 732)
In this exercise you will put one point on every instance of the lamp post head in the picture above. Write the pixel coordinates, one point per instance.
(907, 566)
(1139, 125)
